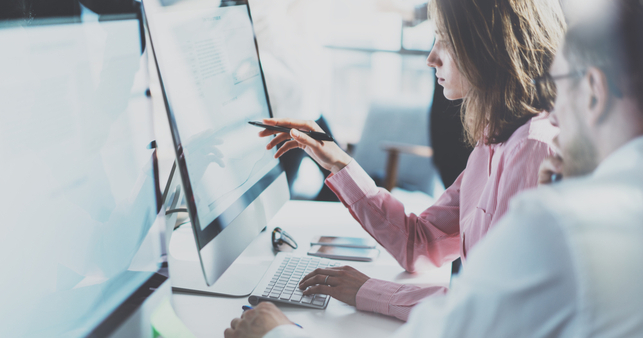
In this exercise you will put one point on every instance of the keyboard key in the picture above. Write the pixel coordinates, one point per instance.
(296, 297)
(285, 296)
(284, 284)
(307, 299)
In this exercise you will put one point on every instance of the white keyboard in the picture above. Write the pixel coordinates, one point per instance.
(281, 281)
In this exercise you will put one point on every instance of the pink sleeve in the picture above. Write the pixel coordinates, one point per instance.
(435, 234)
(520, 173)
(392, 299)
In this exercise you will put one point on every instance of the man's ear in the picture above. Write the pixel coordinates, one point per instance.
(599, 97)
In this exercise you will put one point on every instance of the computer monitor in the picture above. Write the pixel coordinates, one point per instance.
(213, 84)
(80, 241)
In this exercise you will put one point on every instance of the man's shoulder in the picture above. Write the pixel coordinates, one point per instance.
(600, 220)
(586, 200)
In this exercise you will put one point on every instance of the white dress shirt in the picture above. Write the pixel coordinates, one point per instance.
(565, 261)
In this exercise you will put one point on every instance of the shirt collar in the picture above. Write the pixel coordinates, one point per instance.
(628, 156)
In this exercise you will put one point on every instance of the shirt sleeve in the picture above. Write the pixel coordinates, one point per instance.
(519, 282)
(434, 234)
(287, 331)
(392, 299)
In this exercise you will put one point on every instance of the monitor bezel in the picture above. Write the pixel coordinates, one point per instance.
(205, 235)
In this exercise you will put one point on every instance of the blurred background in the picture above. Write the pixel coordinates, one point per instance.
(358, 68)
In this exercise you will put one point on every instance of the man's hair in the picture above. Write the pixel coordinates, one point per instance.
(612, 41)
(499, 46)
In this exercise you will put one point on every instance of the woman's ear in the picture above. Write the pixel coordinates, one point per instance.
(599, 96)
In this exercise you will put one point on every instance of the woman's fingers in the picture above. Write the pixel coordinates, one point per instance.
(317, 277)
(285, 147)
(268, 132)
(278, 139)
(315, 280)
(304, 139)
(341, 283)
(320, 290)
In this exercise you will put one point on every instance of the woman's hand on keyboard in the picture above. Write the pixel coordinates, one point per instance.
(341, 283)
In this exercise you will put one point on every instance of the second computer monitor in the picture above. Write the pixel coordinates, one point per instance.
(213, 85)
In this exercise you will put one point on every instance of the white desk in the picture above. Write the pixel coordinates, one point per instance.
(209, 316)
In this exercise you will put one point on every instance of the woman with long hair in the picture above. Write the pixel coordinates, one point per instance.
(486, 53)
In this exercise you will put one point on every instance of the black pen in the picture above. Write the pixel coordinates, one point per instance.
(313, 134)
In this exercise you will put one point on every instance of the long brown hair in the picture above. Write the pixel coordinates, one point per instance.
(499, 46)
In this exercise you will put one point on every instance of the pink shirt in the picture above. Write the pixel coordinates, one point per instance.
(454, 224)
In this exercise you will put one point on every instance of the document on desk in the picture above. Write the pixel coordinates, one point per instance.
(211, 75)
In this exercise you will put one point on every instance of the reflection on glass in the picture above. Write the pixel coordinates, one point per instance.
(78, 199)
(212, 78)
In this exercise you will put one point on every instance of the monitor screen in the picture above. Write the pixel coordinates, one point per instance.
(78, 196)
(213, 83)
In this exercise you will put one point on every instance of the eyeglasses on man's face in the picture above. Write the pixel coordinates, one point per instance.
(546, 88)
(282, 241)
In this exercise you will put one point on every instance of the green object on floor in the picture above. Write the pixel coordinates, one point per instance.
(166, 324)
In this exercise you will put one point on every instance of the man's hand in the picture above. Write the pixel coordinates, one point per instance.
(257, 322)
(551, 168)
(341, 283)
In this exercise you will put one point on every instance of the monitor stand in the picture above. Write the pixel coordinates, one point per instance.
(186, 273)
(240, 278)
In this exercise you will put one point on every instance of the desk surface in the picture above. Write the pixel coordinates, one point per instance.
(209, 316)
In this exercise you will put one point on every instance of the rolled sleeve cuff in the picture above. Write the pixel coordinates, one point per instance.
(287, 331)
(352, 183)
(375, 296)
